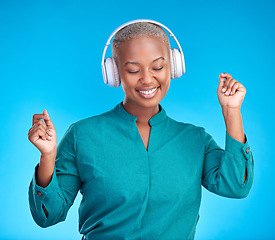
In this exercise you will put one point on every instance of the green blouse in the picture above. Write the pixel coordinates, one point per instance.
(129, 192)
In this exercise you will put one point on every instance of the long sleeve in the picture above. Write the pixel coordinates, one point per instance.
(224, 170)
(126, 188)
(59, 195)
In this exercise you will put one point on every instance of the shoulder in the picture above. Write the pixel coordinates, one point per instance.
(185, 133)
(96, 121)
(184, 126)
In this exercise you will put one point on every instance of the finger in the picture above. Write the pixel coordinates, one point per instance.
(221, 83)
(224, 77)
(31, 129)
(36, 127)
(229, 86)
(226, 84)
(40, 133)
(238, 87)
(38, 124)
(37, 117)
(49, 132)
(234, 88)
(48, 120)
(41, 124)
(36, 134)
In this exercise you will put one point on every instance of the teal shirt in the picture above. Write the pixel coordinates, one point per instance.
(129, 192)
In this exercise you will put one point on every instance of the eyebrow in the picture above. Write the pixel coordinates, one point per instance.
(130, 63)
(137, 63)
(159, 59)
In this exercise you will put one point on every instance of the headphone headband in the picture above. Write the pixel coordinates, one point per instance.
(131, 22)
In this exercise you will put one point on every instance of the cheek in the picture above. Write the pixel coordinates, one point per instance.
(167, 86)
(166, 82)
(167, 72)
(124, 86)
(127, 84)
(166, 78)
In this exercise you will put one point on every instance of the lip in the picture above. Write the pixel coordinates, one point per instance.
(147, 88)
(152, 92)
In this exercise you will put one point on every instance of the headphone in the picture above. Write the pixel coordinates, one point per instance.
(109, 67)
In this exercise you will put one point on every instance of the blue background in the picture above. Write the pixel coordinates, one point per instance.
(50, 55)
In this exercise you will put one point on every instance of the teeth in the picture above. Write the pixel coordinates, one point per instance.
(148, 92)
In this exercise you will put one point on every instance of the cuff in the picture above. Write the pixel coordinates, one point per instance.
(41, 192)
(237, 148)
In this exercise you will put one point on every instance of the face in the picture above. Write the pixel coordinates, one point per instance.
(144, 69)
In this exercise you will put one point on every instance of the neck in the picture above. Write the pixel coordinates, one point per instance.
(143, 114)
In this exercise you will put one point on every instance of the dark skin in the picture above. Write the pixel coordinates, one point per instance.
(144, 68)
(144, 131)
(137, 64)
(144, 65)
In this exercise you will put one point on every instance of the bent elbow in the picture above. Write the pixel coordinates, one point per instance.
(242, 191)
(41, 221)
(240, 194)
(45, 220)
(43, 224)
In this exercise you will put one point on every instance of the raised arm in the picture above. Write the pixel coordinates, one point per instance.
(43, 136)
(231, 94)
(56, 181)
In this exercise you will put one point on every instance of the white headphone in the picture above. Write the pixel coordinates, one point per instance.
(109, 67)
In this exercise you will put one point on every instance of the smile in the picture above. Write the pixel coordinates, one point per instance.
(148, 93)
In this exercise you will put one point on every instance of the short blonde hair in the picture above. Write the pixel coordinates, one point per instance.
(136, 30)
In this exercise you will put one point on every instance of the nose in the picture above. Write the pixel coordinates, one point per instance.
(147, 77)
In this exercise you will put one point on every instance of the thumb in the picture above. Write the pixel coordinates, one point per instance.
(48, 120)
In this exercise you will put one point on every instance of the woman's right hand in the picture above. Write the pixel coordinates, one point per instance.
(42, 134)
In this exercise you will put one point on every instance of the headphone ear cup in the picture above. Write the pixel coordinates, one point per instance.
(116, 74)
(172, 64)
(176, 63)
(112, 73)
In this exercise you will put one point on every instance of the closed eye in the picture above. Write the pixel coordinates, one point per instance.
(133, 72)
(157, 69)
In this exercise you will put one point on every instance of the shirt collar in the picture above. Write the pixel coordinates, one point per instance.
(156, 119)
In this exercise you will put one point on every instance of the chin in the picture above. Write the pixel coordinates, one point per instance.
(149, 103)
(141, 100)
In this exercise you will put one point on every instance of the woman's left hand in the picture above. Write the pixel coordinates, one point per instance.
(230, 92)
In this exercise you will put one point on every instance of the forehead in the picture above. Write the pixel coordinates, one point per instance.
(143, 46)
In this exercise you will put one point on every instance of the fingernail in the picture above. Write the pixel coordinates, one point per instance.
(231, 93)
(223, 89)
(50, 132)
(50, 137)
(227, 93)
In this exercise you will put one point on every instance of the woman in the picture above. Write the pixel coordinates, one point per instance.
(139, 171)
